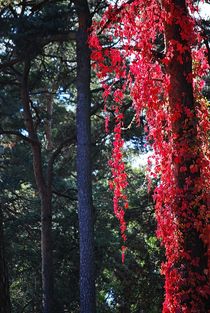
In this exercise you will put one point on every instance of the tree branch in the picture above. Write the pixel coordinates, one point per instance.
(60, 194)
(36, 148)
(55, 154)
(9, 63)
(18, 134)
(117, 11)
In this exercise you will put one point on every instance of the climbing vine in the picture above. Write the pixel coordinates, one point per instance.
(158, 55)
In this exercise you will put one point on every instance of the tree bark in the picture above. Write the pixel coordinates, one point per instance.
(45, 194)
(4, 284)
(46, 252)
(84, 183)
(186, 146)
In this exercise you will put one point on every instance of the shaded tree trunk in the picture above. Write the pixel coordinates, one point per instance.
(83, 126)
(186, 147)
(124, 306)
(46, 252)
(45, 194)
(4, 284)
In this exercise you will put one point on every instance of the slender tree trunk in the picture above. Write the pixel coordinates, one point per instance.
(44, 188)
(83, 126)
(46, 252)
(124, 306)
(186, 147)
(4, 284)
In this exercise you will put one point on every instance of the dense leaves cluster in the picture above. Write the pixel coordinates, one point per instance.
(159, 52)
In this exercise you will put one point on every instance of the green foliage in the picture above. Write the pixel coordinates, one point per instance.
(136, 285)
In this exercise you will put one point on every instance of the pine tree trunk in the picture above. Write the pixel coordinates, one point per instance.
(84, 183)
(44, 188)
(185, 133)
(46, 232)
(46, 252)
(4, 285)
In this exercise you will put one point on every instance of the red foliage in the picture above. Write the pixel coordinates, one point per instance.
(119, 176)
(178, 132)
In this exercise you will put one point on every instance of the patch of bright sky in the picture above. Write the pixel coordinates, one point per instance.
(140, 160)
(24, 132)
(204, 9)
(67, 99)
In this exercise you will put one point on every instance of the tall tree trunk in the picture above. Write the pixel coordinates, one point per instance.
(83, 126)
(186, 146)
(46, 252)
(45, 195)
(4, 284)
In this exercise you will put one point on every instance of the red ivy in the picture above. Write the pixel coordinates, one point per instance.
(135, 27)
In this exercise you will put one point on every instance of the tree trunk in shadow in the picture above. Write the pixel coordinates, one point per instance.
(4, 284)
(44, 189)
(84, 181)
(46, 252)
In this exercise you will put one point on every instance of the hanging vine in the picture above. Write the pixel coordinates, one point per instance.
(160, 56)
